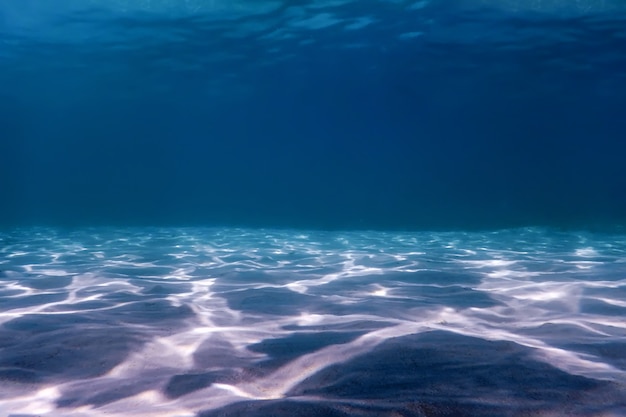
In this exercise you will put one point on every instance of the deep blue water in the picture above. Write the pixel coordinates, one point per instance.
(319, 114)
(374, 208)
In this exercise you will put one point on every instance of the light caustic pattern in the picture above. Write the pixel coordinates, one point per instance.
(210, 322)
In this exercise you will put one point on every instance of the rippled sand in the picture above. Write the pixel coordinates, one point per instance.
(238, 322)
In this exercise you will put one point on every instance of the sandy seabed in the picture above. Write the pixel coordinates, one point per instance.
(252, 322)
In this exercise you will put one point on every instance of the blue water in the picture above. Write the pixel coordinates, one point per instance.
(312, 208)
(316, 114)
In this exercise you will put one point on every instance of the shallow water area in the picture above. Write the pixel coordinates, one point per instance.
(234, 322)
(337, 135)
